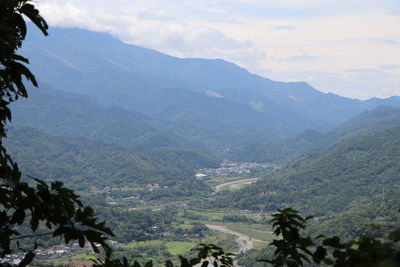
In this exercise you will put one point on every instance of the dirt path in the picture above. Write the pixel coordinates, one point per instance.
(236, 184)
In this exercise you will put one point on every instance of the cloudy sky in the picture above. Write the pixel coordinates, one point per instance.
(348, 47)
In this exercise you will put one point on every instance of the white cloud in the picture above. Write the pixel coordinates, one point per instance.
(389, 67)
(362, 84)
(283, 27)
(300, 58)
(297, 39)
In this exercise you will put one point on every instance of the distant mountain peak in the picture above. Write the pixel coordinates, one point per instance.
(212, 101)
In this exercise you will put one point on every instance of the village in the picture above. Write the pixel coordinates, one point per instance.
(52, 252)
(233, 168)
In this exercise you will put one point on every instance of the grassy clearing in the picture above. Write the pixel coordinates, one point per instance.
(218, 216)
(179, 247)
(226, 241)
(233, 187)
(211, 215)
(225, 188)
(173, 247)
(260, 245)
(253, 233)
(151, 243)
(186, 226)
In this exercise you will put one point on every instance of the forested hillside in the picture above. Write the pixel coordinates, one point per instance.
(82, 163)
(357, 176)
(281, 150)
(76, 115)
(312, 141)
(211, 102)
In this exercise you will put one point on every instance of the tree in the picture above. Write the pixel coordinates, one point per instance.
(33, 203)
(294, 250)
(208, 255)
(60, 211)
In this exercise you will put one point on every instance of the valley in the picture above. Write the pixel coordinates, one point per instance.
(173, 152)
(236, 231)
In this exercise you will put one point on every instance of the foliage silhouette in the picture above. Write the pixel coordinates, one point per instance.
(207, 255)
(53, 206)
(294, 250)
(35, 203)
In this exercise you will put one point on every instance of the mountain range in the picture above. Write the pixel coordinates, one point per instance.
(151, 99)
(113, 114)
(311, 141)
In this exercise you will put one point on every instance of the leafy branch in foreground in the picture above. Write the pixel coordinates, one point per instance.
(208, 255)
(294, 250)
(53, 206)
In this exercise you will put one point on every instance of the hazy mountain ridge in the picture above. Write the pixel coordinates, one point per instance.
(69, 114)
(381, 118)
(311, 141)
(136, 78)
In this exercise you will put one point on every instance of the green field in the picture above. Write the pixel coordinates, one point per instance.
(263, 235)
(219, 215)
(179, 247)
(173, 247)
(226, 241)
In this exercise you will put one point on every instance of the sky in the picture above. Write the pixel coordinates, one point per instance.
(347, 47)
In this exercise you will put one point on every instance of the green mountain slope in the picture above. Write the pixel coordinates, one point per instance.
(381, 118)
(311, 141)
(214, 102)
(69, 114)
(282, 150)
(356, 174)
(82, 163)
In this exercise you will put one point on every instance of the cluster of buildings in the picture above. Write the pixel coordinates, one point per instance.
(113, 200)
(13, 259)
(47, 253)
(229, 167)
(152, 187)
